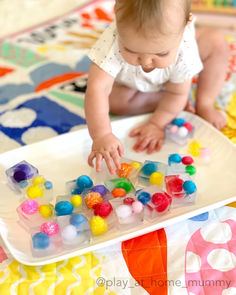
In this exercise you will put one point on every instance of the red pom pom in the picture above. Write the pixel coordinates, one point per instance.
(187, 160)
(128, 201)
(188, 126)
(176, 184)
(169, 197)
(103, 209)
(161, 201)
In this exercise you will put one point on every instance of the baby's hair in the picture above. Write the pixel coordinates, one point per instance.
(146, 14)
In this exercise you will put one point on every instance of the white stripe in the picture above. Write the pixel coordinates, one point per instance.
(13, 290)
(77, 276)
(42, 278)
(51, 289)
(6, 274)
(100, 258)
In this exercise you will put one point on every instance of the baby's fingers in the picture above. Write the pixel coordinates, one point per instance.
(98, 162)
(152, 146)
(135, 132)
(109, 162)
(159, 144)
(120, 150)
(141, 144)
(90, 159)
(115, 156)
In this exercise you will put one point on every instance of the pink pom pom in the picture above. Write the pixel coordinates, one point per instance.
(137, 207)
(49, 228)
(29, 207)
(205, 154)
(173, 129)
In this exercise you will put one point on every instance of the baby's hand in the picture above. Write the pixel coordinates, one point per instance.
(109, 148)
(150, 137)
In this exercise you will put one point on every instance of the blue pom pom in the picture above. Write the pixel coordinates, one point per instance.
(189, 187)
(77, 219)
(144, 197)
(149, 168)
(63, 208)
(179, 122)
(48, 184)
(23, 183)
(137, 192)
(84, 182)
(76, 191)
(41, 241)
(174, 158)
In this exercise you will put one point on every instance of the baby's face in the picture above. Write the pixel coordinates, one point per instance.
(158, 51)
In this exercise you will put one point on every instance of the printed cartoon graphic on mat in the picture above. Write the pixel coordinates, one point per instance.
(18, 55)
(42, 78)
(210, 259)
(37, 119)
(79, 30)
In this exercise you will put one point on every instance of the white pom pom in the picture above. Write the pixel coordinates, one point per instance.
(182, 132)
(69, 233)
(124, 211)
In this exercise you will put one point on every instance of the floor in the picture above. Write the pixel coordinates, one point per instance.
(33, 12)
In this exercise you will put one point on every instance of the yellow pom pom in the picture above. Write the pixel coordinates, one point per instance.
(46, 210)
(38, 180)
(156, 178)
(98, 225)
(136, 165)
(76, 200)
(194, 148)
(34, 191)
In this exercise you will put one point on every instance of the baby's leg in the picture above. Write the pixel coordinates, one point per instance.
(127, 101)
(214, 53)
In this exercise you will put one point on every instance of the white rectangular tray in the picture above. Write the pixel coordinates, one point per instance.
(64, 157)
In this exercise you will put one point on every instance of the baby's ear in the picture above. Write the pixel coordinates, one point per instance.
(190, 18)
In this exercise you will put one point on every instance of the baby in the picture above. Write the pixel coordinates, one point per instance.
(144, 62)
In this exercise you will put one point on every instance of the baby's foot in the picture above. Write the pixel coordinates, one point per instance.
(216, 118)
(189, 107)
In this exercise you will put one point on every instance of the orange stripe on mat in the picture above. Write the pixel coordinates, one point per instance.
(55, 80)
(4, 71)
(146, 259)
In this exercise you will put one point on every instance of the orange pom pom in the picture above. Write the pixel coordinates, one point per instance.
(125, 170)
(118, 192)
(92, 199)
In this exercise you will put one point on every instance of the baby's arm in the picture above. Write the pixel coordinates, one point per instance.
(151, 134)
(105, 144)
